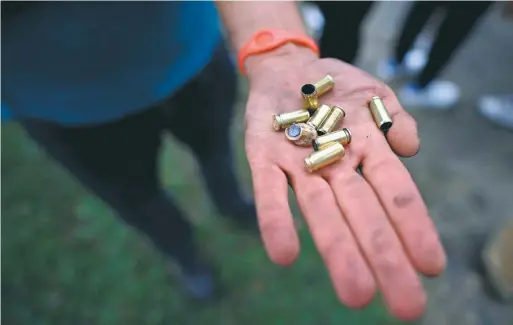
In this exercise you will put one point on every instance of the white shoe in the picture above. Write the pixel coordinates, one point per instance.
(314, 20)
(498, 109)
(414, 61)
(439, 95)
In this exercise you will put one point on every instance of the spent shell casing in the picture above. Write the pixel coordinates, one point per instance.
(319, 116)
(284, 120)
(318, 159)
(380, 114)
(341, 136)
(336, 115)
(310, 97)
(324, 85)
(301, 134)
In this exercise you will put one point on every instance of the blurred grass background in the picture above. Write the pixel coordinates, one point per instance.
(67, 260)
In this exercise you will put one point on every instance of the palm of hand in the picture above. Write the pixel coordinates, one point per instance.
(373, 230)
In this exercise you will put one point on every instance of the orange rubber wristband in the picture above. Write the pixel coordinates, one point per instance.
(268, 39)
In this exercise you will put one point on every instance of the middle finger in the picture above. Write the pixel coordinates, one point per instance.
(349, 272)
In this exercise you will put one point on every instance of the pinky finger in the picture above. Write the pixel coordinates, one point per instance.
(274, 217)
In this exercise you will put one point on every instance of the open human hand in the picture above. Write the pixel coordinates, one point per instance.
(373, 231)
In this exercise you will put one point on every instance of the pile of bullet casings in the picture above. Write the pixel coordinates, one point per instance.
(315, 125)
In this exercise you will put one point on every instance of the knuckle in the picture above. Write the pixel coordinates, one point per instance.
(381, 89)
(380, 242)
(387, 264)
(350, 183)
(384, 256)
(379, 165)
(332, 247)
(315, 194)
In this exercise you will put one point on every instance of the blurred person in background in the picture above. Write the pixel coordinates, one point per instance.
(499, 108)
(97, 83)
(342, 26)
(96, 94)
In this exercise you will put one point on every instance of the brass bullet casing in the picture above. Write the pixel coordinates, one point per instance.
(341, 136)
(324, 85)
(301, 134)
(284, 120)
(380, 114)
(310, 97)
(318, 159)
(319, 116)
(331, 122)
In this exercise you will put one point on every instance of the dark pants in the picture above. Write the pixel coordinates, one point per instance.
(343, 21)
(118, 160)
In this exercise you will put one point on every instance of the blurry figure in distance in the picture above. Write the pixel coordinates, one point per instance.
(97, 94)
(313, 18)
(342, 24)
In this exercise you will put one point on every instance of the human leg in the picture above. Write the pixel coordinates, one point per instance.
(341, 36)
(416, 19)
(396, 65)
(117, 162)
(425, 91)
(459, 21)
(200, 116)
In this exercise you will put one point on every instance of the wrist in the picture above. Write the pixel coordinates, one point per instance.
(287, 54)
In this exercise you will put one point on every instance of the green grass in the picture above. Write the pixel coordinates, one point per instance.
(67, 260)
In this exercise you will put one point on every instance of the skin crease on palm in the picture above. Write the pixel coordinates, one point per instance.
(373, 231)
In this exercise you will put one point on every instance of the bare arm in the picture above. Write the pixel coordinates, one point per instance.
(355, 221)
(242, 19)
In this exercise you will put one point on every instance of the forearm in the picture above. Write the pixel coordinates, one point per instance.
(242, 19)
